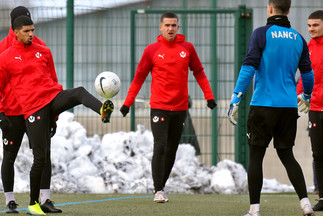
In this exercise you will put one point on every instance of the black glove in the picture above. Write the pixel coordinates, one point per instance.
(211, 103)
(190, 102)
(52, 126)
(124, 110)
(5, 123)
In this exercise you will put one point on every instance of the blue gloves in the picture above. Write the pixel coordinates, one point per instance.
(304, 102)
(234, 106)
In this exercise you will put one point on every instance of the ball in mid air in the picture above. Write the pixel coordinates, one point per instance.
(107, 84)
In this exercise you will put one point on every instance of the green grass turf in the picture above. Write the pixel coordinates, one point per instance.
(286, 204)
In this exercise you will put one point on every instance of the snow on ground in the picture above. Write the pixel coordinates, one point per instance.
(121, 163)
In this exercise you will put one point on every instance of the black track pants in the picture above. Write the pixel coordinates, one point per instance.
(70, 98)
(316, 135)
(11, 144)
(167, 128)
(37, 126)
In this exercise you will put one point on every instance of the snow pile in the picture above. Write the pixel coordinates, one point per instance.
(121, 163)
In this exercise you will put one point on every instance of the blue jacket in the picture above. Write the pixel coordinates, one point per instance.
(274, 54)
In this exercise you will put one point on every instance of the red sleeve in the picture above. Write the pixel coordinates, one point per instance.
(198, 72)
(299, 87)
(204, 84)
(1, 105)
(143, 69)
(3, 81)
(51, 68)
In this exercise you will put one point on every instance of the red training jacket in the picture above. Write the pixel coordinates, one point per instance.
(30, 71)
(168, 62)
(315, 47)
(11, 107)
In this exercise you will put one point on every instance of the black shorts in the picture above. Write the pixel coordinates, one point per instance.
(265, 123)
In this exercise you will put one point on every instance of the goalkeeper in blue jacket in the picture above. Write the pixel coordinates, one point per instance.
(275, 51)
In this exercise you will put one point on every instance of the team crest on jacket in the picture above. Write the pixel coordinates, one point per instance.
(31, 119)
(155, 119)
(183, 54)
(5, 141)
(38, 55)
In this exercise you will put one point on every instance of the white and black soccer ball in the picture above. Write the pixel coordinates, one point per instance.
(107, 84)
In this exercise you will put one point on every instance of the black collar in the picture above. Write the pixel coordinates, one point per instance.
(278, 20)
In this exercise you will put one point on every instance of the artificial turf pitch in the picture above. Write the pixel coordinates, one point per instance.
(286, 204)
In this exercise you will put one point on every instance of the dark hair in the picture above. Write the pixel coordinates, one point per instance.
(168, 15)
(21, 21)
(316, 15)
(281, 5)
(19, 11)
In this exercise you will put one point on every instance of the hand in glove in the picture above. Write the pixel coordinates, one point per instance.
(211, 103)
(234, 107)
(304, 102)
(124, 110)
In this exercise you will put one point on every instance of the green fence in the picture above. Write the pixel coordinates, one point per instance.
(113, 39)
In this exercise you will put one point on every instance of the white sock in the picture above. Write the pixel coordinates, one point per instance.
(305, 201)
(44, 195)
(9, 196)
(254, 208)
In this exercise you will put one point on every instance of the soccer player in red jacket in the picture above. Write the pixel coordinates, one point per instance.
(29, 69)
(315, 46)
(12, 137)
(168, 60)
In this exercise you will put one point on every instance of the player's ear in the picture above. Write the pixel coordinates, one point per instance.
(16, 32)
(287, 12)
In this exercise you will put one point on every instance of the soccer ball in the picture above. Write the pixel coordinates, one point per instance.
(107, 84)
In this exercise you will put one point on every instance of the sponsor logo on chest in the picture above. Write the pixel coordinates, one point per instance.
(18, 57)
(182, 54)
(37, 55)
